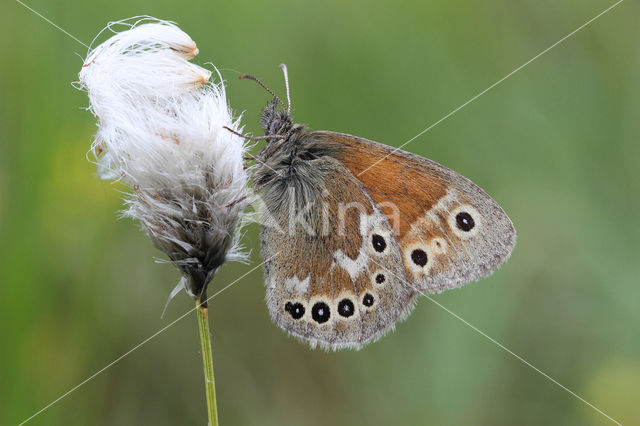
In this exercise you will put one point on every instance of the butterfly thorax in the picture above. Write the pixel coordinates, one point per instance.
(288, 151)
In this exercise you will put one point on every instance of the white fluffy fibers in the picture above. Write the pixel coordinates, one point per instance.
(160, 130)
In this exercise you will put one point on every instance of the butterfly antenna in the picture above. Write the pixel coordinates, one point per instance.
(283, 67)
(253, 138)
(250, 77)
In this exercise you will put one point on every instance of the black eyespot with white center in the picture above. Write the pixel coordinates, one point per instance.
(295, 309)
(320, 312)
(346, 308)
(419, 257)
(378, 242)
(465, 222)
(380, 278)
(368, 300)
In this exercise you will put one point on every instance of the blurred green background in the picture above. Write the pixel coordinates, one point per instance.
(556, 145)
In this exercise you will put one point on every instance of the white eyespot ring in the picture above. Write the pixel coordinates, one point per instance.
(379, 278)
(321, 312)
(465, 221)
(418, 257)
(345, 306)
(378, 242)
(369, 299)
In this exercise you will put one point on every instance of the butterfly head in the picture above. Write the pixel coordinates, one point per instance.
(275, 121)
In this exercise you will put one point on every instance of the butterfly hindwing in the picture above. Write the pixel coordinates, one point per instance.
(450, 232)
(333, 268)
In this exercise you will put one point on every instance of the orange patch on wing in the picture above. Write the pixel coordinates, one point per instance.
(403, 188)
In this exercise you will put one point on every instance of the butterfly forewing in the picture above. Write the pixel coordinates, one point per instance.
(450, 232)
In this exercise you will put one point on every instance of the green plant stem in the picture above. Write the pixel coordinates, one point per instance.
(207, 360)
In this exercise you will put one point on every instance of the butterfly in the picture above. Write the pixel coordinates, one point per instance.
(353, 231)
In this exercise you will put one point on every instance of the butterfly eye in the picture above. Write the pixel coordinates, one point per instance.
(464, 221)
(419, 257)
(368, 300)
(378, 242)
(320, 312)
(295, 309)
(346, 308)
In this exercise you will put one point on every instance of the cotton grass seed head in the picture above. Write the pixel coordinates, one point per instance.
(160, 131)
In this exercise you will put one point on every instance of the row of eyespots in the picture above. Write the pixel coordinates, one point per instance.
(464, 221)
(320, 312)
